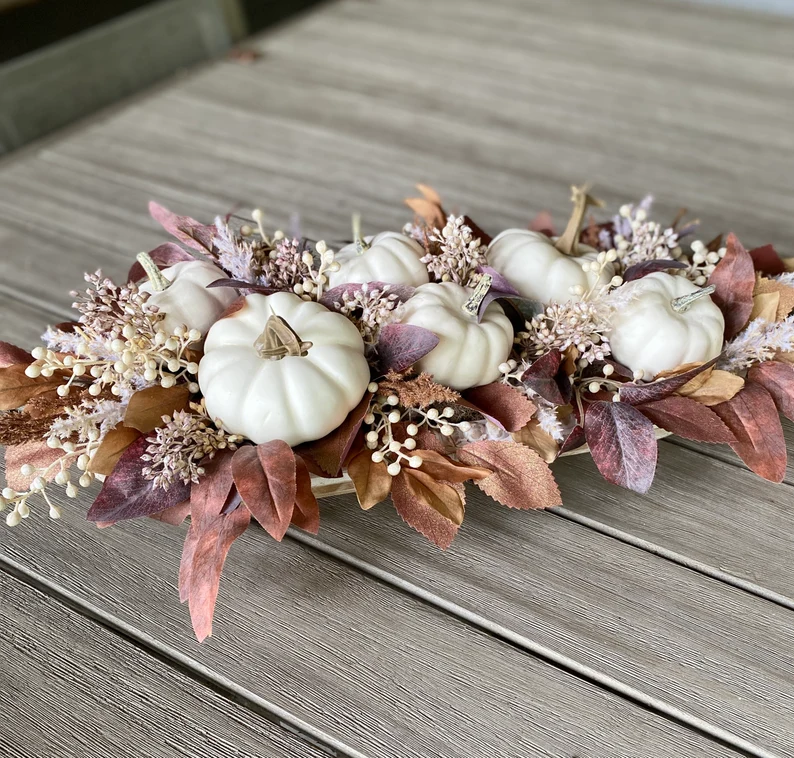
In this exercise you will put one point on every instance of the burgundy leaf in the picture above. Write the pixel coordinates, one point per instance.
(636, 394)
(778, 380)
(575, 439)
(547, 378)
(187, 230)
(265, 477)
(401, 345)
(306, 515)
(334, 295)
(734, 278)
(238, 284)
(11, 355)
(478, 231)
(421, 516)
(767, 261)
(330, 452)
(499, 282)
(753, 418)
(164, 255)
(638, 270)
(510, 407)
(126, 494)
(687, 418)
(623, 444)
(543, 223)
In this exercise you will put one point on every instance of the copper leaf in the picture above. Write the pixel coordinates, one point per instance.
(420, 515)
(445, 469)
(11, 355)
(778, 380)
(37, 453)
(112, 447)
(687, 418)
(622, 443)
(187, 230)
(16, 387)
(511, 408)
(306, 514)
(371, 480)
(734, 278)
(148, 406)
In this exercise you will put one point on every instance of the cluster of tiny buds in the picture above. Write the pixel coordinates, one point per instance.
(161, 362)
(312, 286)
(597, 266)
(703, 262)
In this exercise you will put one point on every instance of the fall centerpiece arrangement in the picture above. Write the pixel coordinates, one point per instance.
(243, 372)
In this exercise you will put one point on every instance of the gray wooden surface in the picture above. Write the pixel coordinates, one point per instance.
(618, 625)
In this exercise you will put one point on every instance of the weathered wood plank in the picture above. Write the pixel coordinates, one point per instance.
(70, 687)
(506, 566)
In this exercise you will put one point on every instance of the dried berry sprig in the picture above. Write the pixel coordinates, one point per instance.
(454, 253)
(370, 309)
(181, 448)
(702, 263)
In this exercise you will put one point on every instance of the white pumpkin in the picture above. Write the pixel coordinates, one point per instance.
(531, 263)
(186, 300)
(295, 398)
(667, 322)
(391, 257)
(468, 353)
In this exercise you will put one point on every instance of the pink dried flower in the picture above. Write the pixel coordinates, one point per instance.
(759, 341)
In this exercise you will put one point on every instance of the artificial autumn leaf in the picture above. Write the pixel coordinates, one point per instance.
(638, 270)
(441, 496)
(734, 279)
(712, 387)
(778, 380)
(767, 261)
(38, 454)
(173, 516)
(574, 440)
(265, 476)
(306, 514)
(372, 481)
(548, 378)
(330, 452)
(785, 299)
(687, 418)
(636, 394)
(187, 230)
(511, 408)
(164, 255)
(399, 346)
(429, 193)
(209, 538)
(753, 418)
(543, 223)
(148, 406)
(11, 355)
(16, 387)
(520, 478)
(477, 232)
(535, 438)
(623, 444)
(112, 447)
(421, 516)
(765, 306)
(428, 207)
(127, 494)
(445, 469)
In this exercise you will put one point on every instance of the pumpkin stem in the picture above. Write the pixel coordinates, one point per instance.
(472, 305)
(361, 244)
(568, 243)
(684, 303)
(278, 340)
(156, 278)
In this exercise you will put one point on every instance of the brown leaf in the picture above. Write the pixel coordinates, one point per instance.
(421, 516)
(712, 387)
(330, 452)
(687, 418)
(11, 355)
(147, 407)
(765, 306)
(16, 387)
(536, 439)
(371, 480)
(734, 278)
(113, 445)
(767, 261)
(37, 454)
(520, 478)
(623, 444)
(785, 297)
(439, 495)
(306, 514)
(445, 469)
(265, 476)
(778, 380)
(511, 408)
(753, 418)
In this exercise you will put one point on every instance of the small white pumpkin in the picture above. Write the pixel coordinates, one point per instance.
(388, 257)
(468, 353)
(668, 321)
(267, 387)
(531, 263)
(180, 292)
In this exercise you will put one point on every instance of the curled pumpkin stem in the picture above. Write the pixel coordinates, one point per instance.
(158, 281)
(684, 303)
(278, 340)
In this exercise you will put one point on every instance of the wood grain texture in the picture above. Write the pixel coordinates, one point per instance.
(69, 687)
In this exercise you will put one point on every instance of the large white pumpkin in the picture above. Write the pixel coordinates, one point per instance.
(531, 263)
(391, 257)
(654, 331)
(468, 353)
(187, 301)
(296, 398)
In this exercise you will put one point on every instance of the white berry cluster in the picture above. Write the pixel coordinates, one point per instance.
(703, 263)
